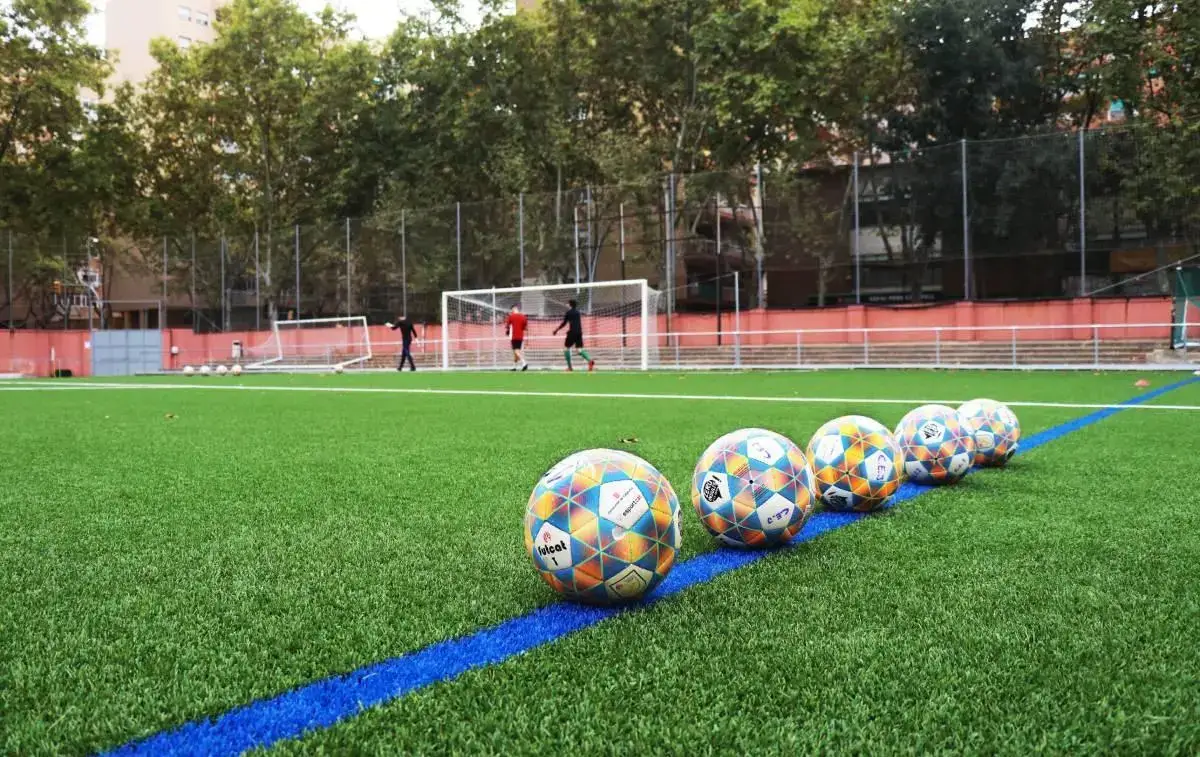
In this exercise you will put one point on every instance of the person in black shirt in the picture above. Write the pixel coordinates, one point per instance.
(574, 324)
(408, 332)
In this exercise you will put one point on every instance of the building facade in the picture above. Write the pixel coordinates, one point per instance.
(130, 26)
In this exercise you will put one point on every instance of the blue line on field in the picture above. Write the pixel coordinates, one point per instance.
(324, 703)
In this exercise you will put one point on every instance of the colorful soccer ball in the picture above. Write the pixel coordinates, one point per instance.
(857, 465)
(602, 527)
(997, 430)
(938, 446)
(188, 370)
(753, 488)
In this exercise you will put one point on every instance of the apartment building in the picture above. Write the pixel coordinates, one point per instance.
(130, 25)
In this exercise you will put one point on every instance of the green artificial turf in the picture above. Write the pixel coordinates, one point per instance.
(168, 554)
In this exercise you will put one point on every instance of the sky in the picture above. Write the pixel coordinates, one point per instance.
(376, 18)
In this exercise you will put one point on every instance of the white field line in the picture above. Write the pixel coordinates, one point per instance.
(212, 385)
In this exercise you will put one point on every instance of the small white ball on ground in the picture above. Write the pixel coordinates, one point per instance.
(236, 370)
(1196, 373)
(338, 369)
(205, 370)
(222, 370)
(174, 349)
(188, 370)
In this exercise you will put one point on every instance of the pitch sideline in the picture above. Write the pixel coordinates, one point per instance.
(40, 386)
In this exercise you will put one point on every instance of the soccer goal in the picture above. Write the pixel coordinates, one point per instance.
(311, 344)
(620, 324)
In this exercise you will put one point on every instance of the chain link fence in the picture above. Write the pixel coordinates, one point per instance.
(1107, 213)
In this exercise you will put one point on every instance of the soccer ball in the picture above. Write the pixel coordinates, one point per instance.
(205, 370)
(857, 465)
(938, 446)
(222, 370)
(603, 527)
(996, 428)
(338, 369)
(236, 370)
(188, 370)
(753, 488)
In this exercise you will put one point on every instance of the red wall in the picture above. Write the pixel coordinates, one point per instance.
(30, 351)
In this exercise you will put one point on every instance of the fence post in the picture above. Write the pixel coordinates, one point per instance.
(857, 248)
(1014, 347)
(521, 236)
(195, 312)
(966, 223)
(66, 270)
(866, 347)
(10, 282)
(799, 347)
(224, 323)
(458, 239)
(737, 321)
(1096, 346)
(297, 314)
(257, 288)
(1082, 219)
(758, 258)
(937, 347)
(575, 236)
(349, 285)
(403, 266)
(161, 325)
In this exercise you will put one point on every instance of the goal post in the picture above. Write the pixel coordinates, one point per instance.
(620, 324)
(312, 344)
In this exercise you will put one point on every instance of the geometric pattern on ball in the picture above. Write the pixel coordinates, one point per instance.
(937, 445)
(753, 488)
(857, 465)
(997, 431)
(602, 527)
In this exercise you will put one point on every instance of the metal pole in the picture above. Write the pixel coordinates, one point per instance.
(737, 320)
(966, 224)
(195, 312)
(521, 237)
(592, 252)
(164, 288)
(90, 304)
(720, 271)
(857, 244)
(297, 313)
(257, 289)
(458, 238)
(349, 285)
(1082, 221)
(760, 277)
(575, 234)
(10, 282)
(621, 247)
(65, 273)
(403, 265)
(224, 321)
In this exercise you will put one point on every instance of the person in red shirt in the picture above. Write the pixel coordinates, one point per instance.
(514, 327)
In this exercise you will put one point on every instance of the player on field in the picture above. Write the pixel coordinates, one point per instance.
(408, 332)
(574, 324)
(514, 327)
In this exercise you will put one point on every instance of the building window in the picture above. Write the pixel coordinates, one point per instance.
(202, 18)
(185, 13)
(185, 42)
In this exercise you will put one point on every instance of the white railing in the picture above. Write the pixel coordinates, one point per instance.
(1099, 346)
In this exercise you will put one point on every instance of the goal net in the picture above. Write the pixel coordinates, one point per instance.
(312, 344)
(620, 325)
(1186, 330)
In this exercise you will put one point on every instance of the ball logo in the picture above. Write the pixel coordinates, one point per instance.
(959, 464)
(778, 517)
(553, 549)
(880, 467)
(764, 449)
(932, 431)
(829, 449)
(836, 498)
(622, 503)
(712, 490)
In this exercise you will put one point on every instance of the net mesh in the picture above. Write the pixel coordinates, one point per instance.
(1186, 331)
(312, 344)
(611, 315)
